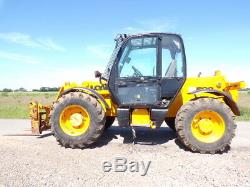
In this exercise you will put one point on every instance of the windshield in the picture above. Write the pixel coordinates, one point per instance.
(140, 57)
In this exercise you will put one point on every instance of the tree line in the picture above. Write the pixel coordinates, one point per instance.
(42, 89)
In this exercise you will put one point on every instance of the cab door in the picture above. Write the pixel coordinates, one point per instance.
(173, 64)
(135, 77)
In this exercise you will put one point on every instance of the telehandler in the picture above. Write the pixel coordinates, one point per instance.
(145, 83)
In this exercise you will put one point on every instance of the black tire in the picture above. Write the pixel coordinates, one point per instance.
(109, 121)
(171, 123)
(97, 120)
(184, 120)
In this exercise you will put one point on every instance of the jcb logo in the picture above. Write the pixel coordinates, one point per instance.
(204, 88)
(99, 87)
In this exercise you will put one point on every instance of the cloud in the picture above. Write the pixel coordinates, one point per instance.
(100, 51)
(151, 25)
(53, 77)
(18, 57)
(50, 44)
(19, 38)
(27, 41)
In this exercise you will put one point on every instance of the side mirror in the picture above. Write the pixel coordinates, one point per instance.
(97, 74)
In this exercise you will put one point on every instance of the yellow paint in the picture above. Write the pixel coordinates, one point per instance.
(208, 126)
(39, 114)
(216, 82)
(74, 120)
(92, 85)
(141, 117)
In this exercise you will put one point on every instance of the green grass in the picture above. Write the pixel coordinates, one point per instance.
(14, 111)
(245, 114)
(16, 105)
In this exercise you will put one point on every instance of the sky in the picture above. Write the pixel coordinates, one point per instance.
(49, 42)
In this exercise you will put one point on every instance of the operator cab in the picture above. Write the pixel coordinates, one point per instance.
(148, 70)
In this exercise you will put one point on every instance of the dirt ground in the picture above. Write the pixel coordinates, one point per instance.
(40, 161)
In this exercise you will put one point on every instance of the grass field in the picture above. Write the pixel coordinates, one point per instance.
(244, 104)
(15, 105)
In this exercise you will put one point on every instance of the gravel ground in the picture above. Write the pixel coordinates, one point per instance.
(40, 161)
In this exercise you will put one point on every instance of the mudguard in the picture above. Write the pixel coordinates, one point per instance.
(88, 91)
(226, 97)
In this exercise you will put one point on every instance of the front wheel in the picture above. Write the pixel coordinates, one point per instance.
(205, 125)
(77, 120)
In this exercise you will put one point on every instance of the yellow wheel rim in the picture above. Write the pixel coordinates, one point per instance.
(74, 120)
(208, 126)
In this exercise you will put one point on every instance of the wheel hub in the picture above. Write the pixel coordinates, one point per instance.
(208, 126)
(205, 126)
(76, 120)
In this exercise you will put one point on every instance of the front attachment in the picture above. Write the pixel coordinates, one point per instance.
(39, 115)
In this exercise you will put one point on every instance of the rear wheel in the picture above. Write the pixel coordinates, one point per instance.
(205, 125)
(77, 120)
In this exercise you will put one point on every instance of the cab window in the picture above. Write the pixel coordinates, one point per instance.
(139, 58)
(172, 61)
